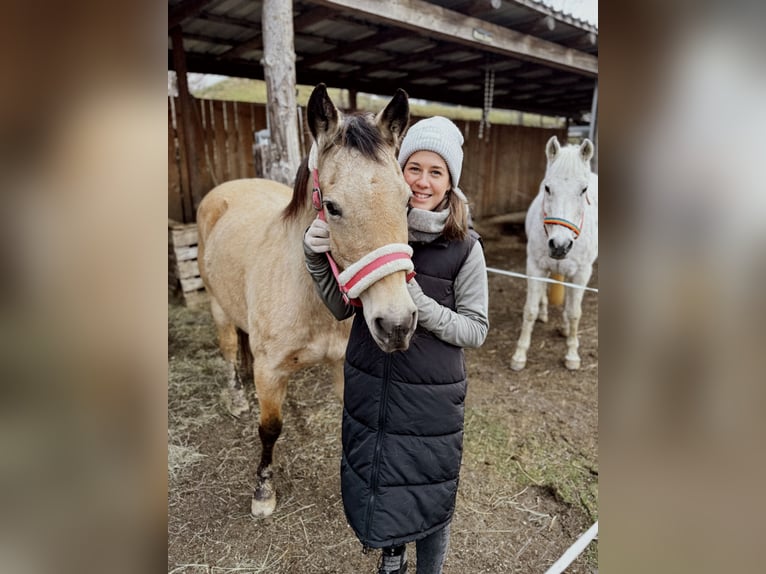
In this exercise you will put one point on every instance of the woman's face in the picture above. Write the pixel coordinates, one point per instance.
(428, 177)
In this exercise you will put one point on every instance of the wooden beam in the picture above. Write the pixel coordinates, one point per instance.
(311, 17)
(373, 40)
(254, 43)
(434, 21)
(184, 10)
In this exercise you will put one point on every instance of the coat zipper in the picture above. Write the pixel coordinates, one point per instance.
(378, 445)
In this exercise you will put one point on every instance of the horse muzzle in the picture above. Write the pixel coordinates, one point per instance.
(559, 248)
(394, 333)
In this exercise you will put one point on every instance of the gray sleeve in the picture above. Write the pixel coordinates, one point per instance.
(326, 286)
(467, 326)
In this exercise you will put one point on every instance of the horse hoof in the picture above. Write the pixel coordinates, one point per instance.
(517, 365)
(261, 508)
(235, 401)
(572, 364)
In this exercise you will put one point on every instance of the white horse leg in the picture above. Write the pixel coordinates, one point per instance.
(572, 314)
(271, 387)
(233, 395)
(543, 316)
(535, 292)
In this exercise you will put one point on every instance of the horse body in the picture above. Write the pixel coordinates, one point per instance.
(562, 238)
(271, 322)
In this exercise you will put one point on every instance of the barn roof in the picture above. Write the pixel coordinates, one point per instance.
(545, 61)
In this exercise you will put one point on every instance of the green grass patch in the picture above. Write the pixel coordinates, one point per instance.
(531, 458)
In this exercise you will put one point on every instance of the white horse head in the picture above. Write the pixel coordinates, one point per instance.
(566, 194)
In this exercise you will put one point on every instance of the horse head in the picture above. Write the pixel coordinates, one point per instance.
(565, 194)
(364, 200)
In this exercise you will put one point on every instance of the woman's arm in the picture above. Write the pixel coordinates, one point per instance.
(325, 283)
(467, 326)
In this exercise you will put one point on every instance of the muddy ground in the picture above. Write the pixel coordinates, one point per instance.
(529, 482)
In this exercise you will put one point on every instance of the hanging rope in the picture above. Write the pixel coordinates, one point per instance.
(489, 94)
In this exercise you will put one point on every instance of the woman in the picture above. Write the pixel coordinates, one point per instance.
(403, 424)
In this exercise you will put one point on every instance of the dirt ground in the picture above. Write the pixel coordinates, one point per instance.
(529, 481)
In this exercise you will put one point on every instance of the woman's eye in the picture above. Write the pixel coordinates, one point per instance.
(332, 209)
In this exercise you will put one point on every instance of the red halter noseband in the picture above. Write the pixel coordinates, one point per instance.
(372, 267)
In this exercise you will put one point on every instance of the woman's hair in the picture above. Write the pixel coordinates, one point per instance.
(456, 226)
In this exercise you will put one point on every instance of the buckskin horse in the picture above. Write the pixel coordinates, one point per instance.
(270, 320)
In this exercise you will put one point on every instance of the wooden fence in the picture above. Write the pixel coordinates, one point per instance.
(224, 148)
(501, 172)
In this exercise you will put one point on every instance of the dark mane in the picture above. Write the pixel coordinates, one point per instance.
(300, 197)
(358, 132)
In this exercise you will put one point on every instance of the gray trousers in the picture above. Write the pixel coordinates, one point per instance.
(432, 550)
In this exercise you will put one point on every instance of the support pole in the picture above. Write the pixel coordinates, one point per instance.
(593, 131)
(187, 134)
(279, 72)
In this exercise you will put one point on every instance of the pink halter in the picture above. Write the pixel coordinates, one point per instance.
(372, 267)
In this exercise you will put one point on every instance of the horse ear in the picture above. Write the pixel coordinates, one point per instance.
(586, 150)
(323, 116)
(393, 119)
(552, 148)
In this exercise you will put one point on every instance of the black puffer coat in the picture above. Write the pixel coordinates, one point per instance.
(403, 419)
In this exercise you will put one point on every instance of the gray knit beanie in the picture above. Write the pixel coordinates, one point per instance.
(439, 135)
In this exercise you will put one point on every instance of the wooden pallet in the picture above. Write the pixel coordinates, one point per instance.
(184, 281)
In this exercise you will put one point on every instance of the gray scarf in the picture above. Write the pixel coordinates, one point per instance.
(425, 225)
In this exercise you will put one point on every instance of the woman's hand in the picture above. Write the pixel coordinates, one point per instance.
(317, 237)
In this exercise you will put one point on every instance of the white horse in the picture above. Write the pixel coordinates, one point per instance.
(562, 238)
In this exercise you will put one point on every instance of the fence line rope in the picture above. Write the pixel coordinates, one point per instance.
(543, 279)
(573, 551)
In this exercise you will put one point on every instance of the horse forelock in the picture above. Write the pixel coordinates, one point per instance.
(358, 132)
(568, 163)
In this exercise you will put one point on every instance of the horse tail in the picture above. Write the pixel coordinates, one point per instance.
(209, 212)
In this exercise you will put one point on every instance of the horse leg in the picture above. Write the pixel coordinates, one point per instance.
(233, 394)
(572, 314)
(271, 387)
(535, 292)
(338, 379)
(543, 316)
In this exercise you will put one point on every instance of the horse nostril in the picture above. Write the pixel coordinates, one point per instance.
(569, 245)
(380, 325)
(551, 244)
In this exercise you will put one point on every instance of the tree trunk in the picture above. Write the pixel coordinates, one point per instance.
(279, 72)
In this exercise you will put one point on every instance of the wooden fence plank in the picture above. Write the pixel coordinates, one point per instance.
(232, 142)
(220, 141)
(246, 140)
(175, 200)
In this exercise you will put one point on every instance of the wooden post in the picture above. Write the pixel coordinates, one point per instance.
(187, 134)
(279, 73)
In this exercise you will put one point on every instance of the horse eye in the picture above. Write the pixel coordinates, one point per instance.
(332, 209)
(547, 189)
(584, 189)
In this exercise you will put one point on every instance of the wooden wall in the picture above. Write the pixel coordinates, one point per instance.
(225, 150)
(501, 173)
